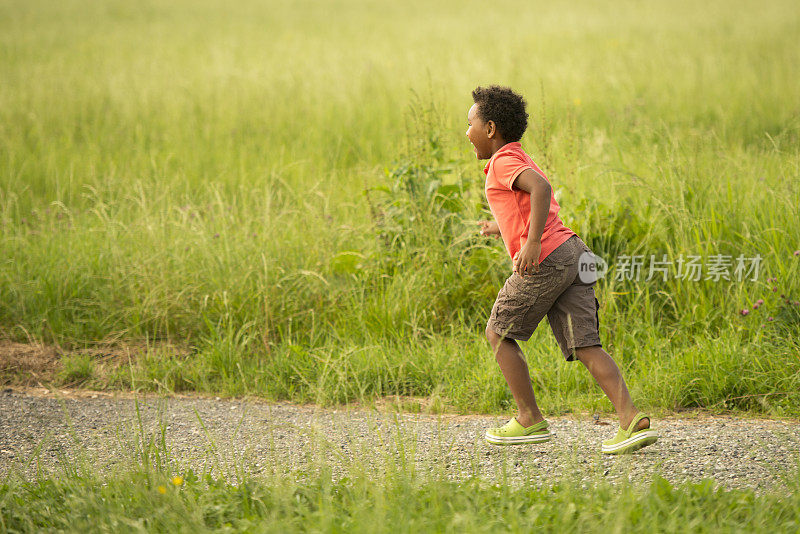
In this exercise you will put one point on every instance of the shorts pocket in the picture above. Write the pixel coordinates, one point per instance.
(519, 292)
(515, 300)
(562, 257)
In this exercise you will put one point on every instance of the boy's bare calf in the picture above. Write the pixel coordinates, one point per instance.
(515, 370)
(601, 366)
(605, 371)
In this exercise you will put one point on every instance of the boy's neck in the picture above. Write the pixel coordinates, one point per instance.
(497, 144)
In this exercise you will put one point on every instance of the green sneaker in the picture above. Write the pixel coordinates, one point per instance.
(513, 433)
(628, 441)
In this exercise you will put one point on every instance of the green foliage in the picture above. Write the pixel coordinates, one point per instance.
(425, 219)
(394, 500)
(425, 197)
(76, 369)
(611, 230)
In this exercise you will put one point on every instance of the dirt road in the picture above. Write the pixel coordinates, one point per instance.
(55, 430)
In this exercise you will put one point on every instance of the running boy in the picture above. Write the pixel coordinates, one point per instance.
(545, 278)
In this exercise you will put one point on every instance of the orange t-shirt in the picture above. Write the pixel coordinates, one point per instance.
(511, 207)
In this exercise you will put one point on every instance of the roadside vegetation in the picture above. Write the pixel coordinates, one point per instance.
(396, 501)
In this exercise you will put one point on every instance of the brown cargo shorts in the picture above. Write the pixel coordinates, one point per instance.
(556, 291)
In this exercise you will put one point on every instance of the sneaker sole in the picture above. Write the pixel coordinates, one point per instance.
(633, 443)
(518, 440)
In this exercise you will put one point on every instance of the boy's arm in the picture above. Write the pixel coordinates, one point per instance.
(530, 181)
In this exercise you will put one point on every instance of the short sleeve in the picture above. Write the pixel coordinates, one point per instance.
(507, 167)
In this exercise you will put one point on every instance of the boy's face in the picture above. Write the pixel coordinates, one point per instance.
(480, 133)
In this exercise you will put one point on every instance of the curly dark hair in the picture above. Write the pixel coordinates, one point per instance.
(503, 106)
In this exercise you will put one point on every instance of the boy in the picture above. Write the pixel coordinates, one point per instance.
(545, 278)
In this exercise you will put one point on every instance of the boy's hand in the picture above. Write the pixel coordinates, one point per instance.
(526, 261)
(489, 228)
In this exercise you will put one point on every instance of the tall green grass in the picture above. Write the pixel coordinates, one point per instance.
(287, 191)
(395, 502)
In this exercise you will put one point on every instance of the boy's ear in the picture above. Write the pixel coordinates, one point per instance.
(491, 129)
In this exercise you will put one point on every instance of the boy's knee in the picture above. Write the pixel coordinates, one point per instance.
(582, 354)
(586, 351)
(493, 337)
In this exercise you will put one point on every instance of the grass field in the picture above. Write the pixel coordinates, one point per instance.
(395, 501)
(285, 192)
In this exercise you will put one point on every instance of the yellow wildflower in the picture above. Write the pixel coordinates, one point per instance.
(177, 481)
(162, 490)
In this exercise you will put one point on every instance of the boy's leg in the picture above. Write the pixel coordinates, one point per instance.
(515, 370)
(605, 371)
(520, 306)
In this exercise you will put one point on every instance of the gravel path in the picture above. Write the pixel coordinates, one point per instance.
(260, 437)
